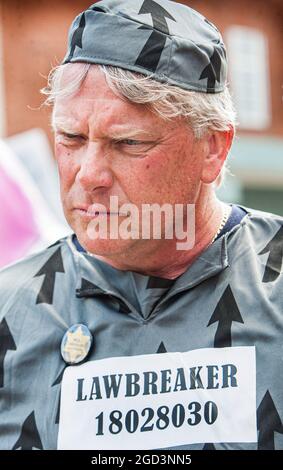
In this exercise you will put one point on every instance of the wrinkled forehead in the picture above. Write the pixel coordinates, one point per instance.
(84, 96)
(84, 84)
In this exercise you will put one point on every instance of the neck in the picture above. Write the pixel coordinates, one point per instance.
(161, 258)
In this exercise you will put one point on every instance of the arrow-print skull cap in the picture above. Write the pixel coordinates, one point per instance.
(169, 41)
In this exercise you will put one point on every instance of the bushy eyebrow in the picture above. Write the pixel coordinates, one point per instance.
(130, 133)
(61, 125)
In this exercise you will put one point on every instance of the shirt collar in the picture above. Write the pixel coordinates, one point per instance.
(95, 277)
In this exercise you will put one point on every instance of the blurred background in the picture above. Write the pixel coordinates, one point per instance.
(33, 37)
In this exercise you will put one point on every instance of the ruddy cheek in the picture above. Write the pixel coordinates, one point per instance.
(67, 175)
(59, 149)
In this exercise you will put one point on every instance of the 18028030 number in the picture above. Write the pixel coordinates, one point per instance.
(160, 419)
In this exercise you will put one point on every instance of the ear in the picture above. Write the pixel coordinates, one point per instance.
(217, 146)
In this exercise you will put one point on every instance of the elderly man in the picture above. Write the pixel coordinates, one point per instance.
(124, 336)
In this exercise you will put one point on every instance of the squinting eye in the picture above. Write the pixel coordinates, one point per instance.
(71, 139)
(130, 142)
(72, 136)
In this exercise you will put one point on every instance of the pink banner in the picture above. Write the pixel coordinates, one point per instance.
(18, 230)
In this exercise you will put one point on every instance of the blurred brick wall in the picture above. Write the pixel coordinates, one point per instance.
(265, 16)
(34, 39)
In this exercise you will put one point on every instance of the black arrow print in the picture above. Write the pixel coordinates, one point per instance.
(159, 283)
(208, 446)
(274, 262)
(53, 265)
(76, 40)
(161, 348)
(59, 242)
(6, 343)
(57, 417)
(59, 377)
(88, 289)
(150, 55)
(58, 381)
(268, 421)
(29, 438)
(225, 313)
(212, 71)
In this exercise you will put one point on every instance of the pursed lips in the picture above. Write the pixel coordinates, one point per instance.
(92, 211)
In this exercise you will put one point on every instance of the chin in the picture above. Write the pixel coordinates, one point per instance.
(102, 247)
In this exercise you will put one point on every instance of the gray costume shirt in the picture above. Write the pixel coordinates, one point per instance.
(231, 297)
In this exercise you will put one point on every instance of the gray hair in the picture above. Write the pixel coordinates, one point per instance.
(202, 111)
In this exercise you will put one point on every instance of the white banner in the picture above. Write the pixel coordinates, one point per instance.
(160, 400)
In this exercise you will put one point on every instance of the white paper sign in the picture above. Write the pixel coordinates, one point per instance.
(160, 400)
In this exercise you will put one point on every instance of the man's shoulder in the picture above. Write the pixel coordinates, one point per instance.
(260, 220)
(16, 275)
(259, 214)
(258, 230)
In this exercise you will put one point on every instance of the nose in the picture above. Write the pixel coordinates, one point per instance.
(95, 172)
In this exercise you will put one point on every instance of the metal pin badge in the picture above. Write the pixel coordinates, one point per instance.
(76, 344)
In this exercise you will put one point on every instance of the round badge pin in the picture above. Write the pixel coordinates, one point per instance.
(76, 344)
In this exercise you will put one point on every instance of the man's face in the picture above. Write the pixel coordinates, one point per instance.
(106, 146)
